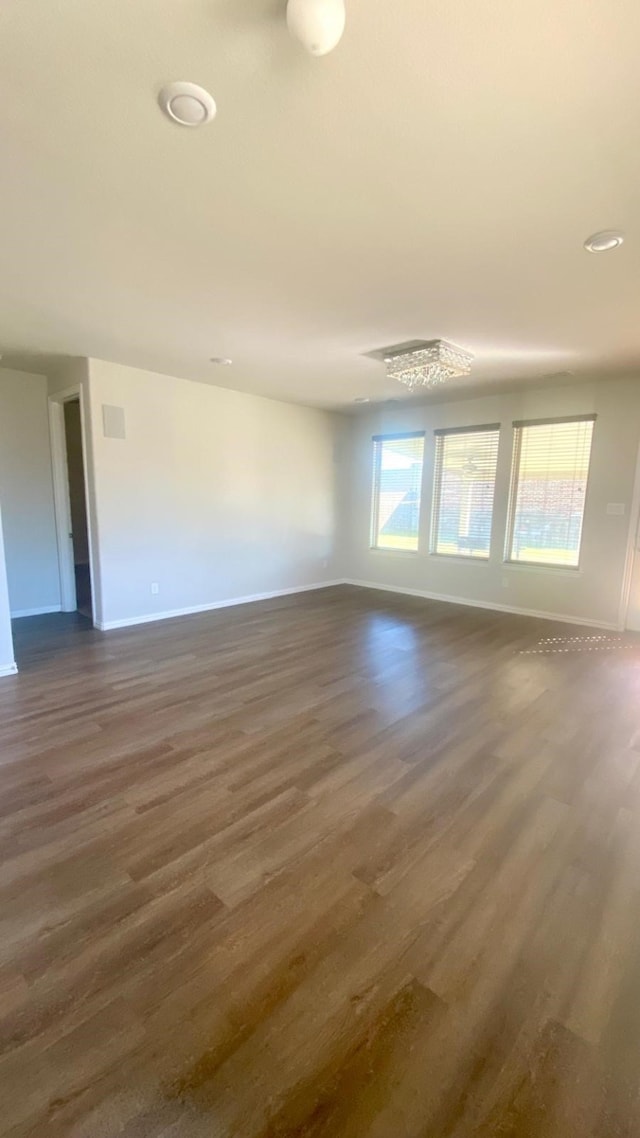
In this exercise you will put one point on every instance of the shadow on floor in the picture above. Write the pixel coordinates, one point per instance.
(38, 639)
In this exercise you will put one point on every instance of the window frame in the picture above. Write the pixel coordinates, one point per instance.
(375, 491)
(516, 454)
(436, 505)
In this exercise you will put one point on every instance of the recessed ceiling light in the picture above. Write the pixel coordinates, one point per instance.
(222, 361)
(187, 104)
(361, 399)
(604, 241)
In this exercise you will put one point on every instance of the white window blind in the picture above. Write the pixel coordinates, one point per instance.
(548, 490)
(464, 488)
(397, 486)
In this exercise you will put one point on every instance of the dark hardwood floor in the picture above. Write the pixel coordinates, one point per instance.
(331, 866)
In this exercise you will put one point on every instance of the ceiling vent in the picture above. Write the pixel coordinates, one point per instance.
(187, 104)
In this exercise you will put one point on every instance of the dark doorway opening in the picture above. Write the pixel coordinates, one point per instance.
(78, 506)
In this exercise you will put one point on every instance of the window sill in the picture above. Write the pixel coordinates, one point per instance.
(394, 552)
(462, 557)
(538, 567)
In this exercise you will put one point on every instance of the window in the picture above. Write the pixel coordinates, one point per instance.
(465, 482)
(548, 490)
(397, 484)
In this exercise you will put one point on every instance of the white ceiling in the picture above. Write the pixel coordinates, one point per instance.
(434, 177)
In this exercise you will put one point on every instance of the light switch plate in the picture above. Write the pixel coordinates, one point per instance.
(616, 509)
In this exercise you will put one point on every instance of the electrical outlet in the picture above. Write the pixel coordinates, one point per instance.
(155, 588)
(505, 582)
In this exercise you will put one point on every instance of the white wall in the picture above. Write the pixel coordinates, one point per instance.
(213, 494)
(7, 664)
(593, 593)
(216, 495)
(68, 372)
(26, 492)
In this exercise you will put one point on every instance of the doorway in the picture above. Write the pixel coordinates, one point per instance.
(630, 608)
(79, 533)
(73, 521)
(633, 609)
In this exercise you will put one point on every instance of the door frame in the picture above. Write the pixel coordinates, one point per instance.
(61, 500)
(633, 548)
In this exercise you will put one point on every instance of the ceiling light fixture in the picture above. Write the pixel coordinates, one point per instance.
(222, 361)
(361, 399)
(318, 24)
(429, 365)
(187, 104)
(604, 241)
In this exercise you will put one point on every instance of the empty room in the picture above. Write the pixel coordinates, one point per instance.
(320, 569)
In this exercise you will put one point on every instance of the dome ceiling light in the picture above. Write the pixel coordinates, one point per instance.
(318, 24)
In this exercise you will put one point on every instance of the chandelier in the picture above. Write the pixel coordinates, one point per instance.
(434, 362)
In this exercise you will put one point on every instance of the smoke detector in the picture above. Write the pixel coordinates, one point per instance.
(187, 104)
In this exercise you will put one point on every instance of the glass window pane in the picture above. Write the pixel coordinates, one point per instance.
(551, 467)
(397, 486)
(464, 490)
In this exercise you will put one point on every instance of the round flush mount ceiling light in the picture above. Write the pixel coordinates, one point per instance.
(318, 24)
(604, 241)
(187, 104)
(222, 361)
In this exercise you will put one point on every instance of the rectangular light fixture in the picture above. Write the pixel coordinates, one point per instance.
(433, 363)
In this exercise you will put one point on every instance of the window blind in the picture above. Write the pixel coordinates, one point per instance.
(464, 488)
(548, 490)
(397, 487)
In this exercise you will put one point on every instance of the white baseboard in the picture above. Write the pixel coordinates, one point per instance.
(35, 612)
(150, 618)
(563, 618)
(8, 670)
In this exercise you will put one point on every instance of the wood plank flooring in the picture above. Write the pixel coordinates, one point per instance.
(341, 865)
